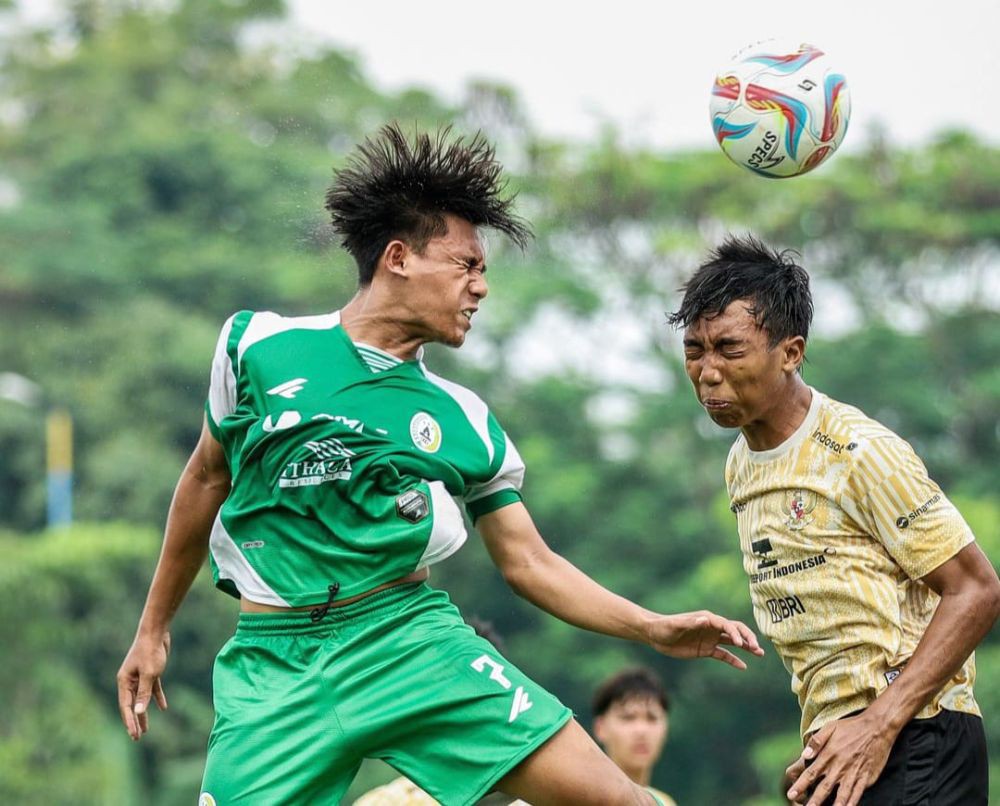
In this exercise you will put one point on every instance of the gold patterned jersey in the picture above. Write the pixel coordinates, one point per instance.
(837, 526)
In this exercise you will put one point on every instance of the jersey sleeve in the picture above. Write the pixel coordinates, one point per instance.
(904, 509)
(505, 486)
(221, 400)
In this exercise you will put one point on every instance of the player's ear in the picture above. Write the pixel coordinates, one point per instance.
(394, 257)
(794, 353)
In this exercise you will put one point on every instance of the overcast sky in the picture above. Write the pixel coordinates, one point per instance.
(913, 65)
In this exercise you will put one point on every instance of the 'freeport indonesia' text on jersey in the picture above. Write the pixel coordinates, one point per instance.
(837, 525)
(345, 461)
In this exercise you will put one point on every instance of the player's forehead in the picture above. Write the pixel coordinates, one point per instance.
(636, 704)
(462, 240)
(735, 322)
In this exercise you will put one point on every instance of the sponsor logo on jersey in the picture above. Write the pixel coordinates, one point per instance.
(252, 544)
(425, 432)
(348, 422)
(891, 675)
(904, 521)
(289, 389)
(412, 506)
(829, 442)
(800, 504)
(762, 548)
(287, 419)
(786, 570)
(332, 463)
(737, 506)
(785, 607)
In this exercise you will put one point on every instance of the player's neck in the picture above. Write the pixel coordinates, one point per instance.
(365, 320)
(782, 419)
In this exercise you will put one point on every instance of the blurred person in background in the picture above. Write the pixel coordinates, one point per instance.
(863, 574)
(631, 722)
(326, 482)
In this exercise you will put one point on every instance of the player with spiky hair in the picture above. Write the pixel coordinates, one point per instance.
(863, 574)
(327, 481)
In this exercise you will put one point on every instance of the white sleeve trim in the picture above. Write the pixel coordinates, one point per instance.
(448, 532)
(510, 476)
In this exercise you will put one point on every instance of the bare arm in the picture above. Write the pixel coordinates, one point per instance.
(554, 584)
(853, 752)
(203, 486)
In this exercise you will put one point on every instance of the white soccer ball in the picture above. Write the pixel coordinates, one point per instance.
(780, 109)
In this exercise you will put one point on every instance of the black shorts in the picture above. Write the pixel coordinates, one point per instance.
(939, 761)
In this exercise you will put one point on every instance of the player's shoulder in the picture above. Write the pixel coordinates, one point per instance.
(738, 452)
(845, 429)
(463, 395)
(843, 419)
(248, 327)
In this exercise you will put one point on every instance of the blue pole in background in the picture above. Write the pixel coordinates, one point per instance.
(59, 476)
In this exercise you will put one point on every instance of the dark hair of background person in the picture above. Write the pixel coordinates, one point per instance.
(636, 681)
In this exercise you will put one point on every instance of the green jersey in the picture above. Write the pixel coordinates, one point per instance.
(346, 462)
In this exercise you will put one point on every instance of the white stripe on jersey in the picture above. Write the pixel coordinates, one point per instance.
(475, 410)
(222, 385)
(233, 565)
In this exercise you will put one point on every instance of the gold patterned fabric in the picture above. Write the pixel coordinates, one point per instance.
(837, 526)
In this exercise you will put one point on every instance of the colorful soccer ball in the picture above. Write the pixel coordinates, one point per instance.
(780, 109)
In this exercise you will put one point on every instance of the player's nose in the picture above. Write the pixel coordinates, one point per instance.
(478, 287)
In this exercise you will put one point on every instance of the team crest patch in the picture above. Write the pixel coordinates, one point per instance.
(206, 800)
(800, 505)
(425, 432)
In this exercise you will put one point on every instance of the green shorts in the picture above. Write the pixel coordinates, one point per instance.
(397, 676)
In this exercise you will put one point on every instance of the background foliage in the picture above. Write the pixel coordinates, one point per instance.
(161, 166)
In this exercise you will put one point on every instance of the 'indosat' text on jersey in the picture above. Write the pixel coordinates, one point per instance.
(837, 526)
(345, 461)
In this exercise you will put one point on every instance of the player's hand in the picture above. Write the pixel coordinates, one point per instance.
(847, 756)
(139, 682)
(702, 635)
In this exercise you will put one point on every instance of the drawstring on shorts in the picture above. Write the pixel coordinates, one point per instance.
(317, 614)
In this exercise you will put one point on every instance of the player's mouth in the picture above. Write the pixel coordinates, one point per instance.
(714, 404)
(467, 313)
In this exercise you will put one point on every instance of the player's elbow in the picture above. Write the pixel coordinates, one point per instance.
(524, 573)
(991, 604)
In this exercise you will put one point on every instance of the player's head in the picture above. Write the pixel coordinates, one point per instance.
(392, 188)
(411, 211)
(630, 719)
(746, 313)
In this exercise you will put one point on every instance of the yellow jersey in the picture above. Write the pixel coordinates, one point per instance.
(837, 526)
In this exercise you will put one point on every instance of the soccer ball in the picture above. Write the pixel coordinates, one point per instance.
(780, 109)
